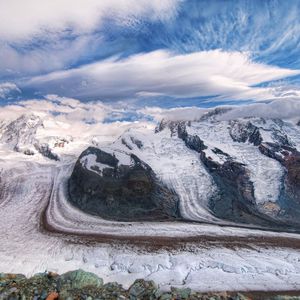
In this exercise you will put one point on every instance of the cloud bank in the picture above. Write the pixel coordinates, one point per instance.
(70, 117)
(6, 88)
(288, 109)
(23, 20)
(206, 73)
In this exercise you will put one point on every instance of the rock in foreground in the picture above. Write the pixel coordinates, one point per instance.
(77, 285)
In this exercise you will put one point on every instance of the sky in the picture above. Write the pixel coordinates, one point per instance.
(137, 55)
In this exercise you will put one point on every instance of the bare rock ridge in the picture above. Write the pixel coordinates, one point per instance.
(115, 190)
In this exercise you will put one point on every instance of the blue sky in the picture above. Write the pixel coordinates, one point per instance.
(151, 53)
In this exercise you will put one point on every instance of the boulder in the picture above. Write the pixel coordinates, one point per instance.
(102, 185)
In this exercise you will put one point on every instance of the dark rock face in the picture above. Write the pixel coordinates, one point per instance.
(235, 200)
(292, 165)
(290, 159)
(121, 192)
(178, 128)
(191, 141)
(245, 132)
(137, 142)
(45, 150)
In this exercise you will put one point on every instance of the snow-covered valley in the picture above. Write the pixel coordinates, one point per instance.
(205, 249)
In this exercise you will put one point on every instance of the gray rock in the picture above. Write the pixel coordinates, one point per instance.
(78, 279)
(121, 192)
(142, 289)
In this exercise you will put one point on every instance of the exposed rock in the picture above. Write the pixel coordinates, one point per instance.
(235, 200)
(290, 159)
(45, 150)
(78, 279)
(179, 129)
(137, 142)
(242, 132)
(192, 141)
(171, 125)
(214, 114)
(52, 296)
(118, 191)
(142, 289)
(181, 293)
(89, 287)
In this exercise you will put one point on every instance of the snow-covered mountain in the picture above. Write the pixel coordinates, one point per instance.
(242, 171)
(23, 135)
(150, 189)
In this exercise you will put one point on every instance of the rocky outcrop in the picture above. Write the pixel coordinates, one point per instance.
(106, 187)
(235, 199)
(245, 132)
(46, 151)
(179, 129)
(191, 141)
(290, 159)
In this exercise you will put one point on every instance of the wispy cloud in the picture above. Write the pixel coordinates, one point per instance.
(38, 37)
(23, 20)
(207, 73)
(124, 49)
(288, 109)
(8, 87)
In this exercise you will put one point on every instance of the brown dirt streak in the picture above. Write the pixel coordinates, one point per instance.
(160, 242)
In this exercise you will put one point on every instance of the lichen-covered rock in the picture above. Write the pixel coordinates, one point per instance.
(80, 285)
(18, 286)
(142, 289)
(181, 293)
(78, 279)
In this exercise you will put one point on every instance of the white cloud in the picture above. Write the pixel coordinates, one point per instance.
(66, 116)
(37, 37)
(208, 73)
(286, 109)
(55, 56)
(70, 117)
(282, 109)
(174, 114)
(21, 20)
(6, 88)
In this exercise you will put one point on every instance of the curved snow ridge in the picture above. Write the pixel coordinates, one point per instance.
(62, 217)
(176, 166)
